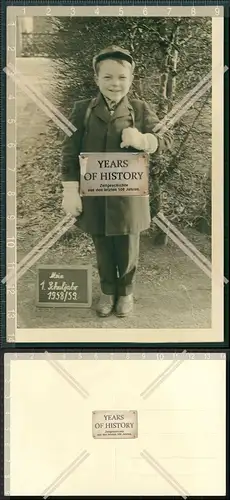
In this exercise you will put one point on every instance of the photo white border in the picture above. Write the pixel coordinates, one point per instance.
(97, 335)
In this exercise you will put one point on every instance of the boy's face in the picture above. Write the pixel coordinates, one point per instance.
(114, 79)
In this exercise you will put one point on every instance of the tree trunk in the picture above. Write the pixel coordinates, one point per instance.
(167, 92)
(171, 90)
(170, 59)
(174, 59)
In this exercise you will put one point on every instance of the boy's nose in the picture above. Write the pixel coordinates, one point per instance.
(115, 83)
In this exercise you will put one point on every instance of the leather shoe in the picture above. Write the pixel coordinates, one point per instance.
(124, 305)
(105, 305)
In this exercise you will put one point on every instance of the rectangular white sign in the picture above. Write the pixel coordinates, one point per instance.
(115, 424)
(110, 174)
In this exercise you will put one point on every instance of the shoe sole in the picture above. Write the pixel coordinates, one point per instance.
(101, 315)
(122, 315)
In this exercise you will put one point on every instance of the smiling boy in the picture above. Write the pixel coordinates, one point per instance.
(114, 222)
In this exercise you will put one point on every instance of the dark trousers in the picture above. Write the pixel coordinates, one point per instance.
(117, 259)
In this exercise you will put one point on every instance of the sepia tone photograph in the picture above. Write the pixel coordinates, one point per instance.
(110, 89)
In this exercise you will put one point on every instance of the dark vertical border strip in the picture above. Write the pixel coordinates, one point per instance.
(226, 173)
(226, 237)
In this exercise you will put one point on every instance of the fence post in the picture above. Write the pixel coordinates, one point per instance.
(24, 25)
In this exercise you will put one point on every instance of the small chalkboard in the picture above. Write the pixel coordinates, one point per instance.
(64, 286)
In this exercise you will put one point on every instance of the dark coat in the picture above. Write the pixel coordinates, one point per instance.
(109, 215)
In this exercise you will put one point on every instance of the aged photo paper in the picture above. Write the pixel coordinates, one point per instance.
(178, 289)
(181, 408)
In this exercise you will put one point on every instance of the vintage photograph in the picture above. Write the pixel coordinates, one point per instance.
(109, 89)
(75, 429)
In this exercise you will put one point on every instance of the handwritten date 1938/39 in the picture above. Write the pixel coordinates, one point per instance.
(62, 296)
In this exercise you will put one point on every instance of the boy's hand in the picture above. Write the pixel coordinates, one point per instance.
(131, 137)
(71, 201)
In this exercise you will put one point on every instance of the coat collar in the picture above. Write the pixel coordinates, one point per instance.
(122, 109)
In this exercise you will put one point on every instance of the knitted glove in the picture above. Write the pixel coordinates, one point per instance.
(71, 201)
(131, 137)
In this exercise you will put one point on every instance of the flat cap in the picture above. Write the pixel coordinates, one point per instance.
(113, 52)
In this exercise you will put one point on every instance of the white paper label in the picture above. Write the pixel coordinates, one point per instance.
(109, 424)
(114, 174)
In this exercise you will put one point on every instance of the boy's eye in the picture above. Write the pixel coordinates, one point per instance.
(108, 77)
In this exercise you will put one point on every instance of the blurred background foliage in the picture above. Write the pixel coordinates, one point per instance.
(172, 55)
